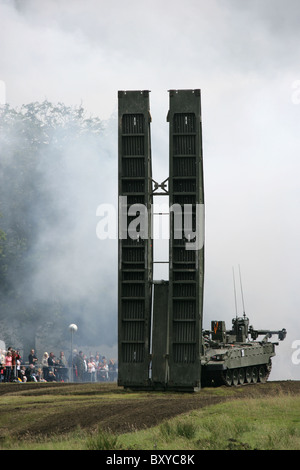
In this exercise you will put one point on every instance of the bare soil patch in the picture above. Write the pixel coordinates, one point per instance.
(121, 411)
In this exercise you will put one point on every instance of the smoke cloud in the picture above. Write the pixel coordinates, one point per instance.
(52, 182)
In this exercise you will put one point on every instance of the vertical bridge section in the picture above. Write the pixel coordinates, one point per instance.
(186, 261)
(135, 246)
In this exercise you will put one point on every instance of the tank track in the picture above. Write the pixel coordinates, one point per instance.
(241, 376)
(246, 375)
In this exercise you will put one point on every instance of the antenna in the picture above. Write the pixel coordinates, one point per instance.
(242, 292)
(236, 314)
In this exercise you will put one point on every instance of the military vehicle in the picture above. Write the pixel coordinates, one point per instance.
(161, 345)
(230, 358)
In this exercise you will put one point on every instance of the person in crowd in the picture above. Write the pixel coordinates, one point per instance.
(62, 369)
(30, 373)
(51, 361)
(62, 359)
(97, 360)
(79, 364)
(2, 364)
(40, 375)
(18, 360)
(23, 374)
(8, 366)
(91, 370)
(45, 365)
(85, 374)
(52, 364)
(103, 370)
(32, 359)
(13, 365)
(51, 377)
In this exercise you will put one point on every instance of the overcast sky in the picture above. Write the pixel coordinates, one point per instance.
(245, 56)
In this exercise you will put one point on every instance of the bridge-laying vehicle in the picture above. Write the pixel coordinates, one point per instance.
(161, 342)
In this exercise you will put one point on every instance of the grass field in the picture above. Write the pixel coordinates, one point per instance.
(243, 424)
(89, 417)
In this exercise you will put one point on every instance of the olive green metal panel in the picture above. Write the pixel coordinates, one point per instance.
(160, 335)
(186, 261)
(135, 247)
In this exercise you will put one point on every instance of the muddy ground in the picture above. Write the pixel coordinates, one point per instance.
(122, 411)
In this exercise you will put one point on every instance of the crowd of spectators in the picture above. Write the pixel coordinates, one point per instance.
(77, 368)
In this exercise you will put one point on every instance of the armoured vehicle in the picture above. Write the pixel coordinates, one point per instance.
(230, 358)
(161, 345)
